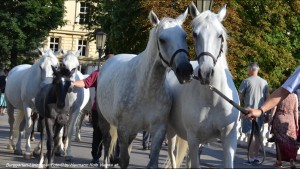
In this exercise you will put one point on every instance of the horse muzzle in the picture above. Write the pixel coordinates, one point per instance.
(60, 105)
(205, 76)
(184, 72)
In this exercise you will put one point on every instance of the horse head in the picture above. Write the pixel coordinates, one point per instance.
(70, 63)
(210, 40)
(172, 45)
(48, 59)
(61, 86)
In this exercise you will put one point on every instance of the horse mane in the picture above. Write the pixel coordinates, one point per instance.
(210, 19)
(153, 33)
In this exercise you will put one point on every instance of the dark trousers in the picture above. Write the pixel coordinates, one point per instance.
(97, 136)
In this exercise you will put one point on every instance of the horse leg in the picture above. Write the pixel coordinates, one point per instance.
(60, 148)
(28, 129)
(37, 150)
(171, 146)
(57, 130)
(104, 127)
(34, 118)
(80, 119)
(123, 143)
(11, 120)
(229, 141)
(42, 133)
(49, 128)
(193, 143)
(72, 121)
(18, 149)
(158, 135)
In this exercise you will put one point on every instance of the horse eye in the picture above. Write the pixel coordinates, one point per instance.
(220, 36)
(194, 34)
(162, 40)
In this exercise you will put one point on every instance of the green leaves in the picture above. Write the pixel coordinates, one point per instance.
(25, 24)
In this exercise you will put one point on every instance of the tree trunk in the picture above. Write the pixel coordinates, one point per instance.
(13, 58)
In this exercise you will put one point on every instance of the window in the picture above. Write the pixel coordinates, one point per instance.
(54, 44)
(82, 44)
(84, 7)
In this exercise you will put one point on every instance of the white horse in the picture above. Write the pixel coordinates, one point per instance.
(88, 107)
(76, 99)
(132, 93)
(199, 115)
(22, 85)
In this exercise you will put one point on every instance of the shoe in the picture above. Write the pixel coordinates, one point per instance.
(277, 164)
(144, 148)
(248, 162)
(256, 162)
(95, 161)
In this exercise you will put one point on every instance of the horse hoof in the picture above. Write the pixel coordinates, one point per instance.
(68, 158)
(10, 147)
(27, 156)
(60, 153)
(77, 140)
(18, 152)
(36, 153)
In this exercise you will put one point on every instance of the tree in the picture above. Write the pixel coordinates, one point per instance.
(127, 23)
(264, 31)
(24, 24)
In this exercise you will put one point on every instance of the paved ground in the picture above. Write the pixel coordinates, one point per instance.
(211, 157)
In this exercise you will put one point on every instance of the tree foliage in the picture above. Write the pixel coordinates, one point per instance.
(264, 31)
(24, 24)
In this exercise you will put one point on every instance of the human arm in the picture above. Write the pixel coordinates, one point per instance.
(78, 83)
(277, 96)
(296, 112)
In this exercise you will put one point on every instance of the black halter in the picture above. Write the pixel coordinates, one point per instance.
(173, 56)
(211, 55)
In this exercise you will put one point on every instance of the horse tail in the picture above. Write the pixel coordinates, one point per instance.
(182, 148)
(17, 123)
(114, 136)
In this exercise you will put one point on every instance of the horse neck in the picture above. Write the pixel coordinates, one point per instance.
(151, 72)
(36, 78)
(220, 78)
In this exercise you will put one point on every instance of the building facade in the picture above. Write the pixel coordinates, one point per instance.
(73, 36)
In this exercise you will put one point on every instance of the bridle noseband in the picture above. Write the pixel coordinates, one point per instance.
(211, 55)
(173, 56)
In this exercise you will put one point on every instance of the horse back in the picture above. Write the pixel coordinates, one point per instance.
(14, 84)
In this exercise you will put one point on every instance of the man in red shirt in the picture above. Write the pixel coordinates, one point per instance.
(91, 81)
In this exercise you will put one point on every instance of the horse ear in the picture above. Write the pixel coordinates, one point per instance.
(153, 18)
(222, 13)
(58, 52)
(40, 52)
(181, 18)
(78, 52)
(193, 10)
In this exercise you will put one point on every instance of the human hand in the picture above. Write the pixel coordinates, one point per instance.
(71, 87)
(252, 113)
